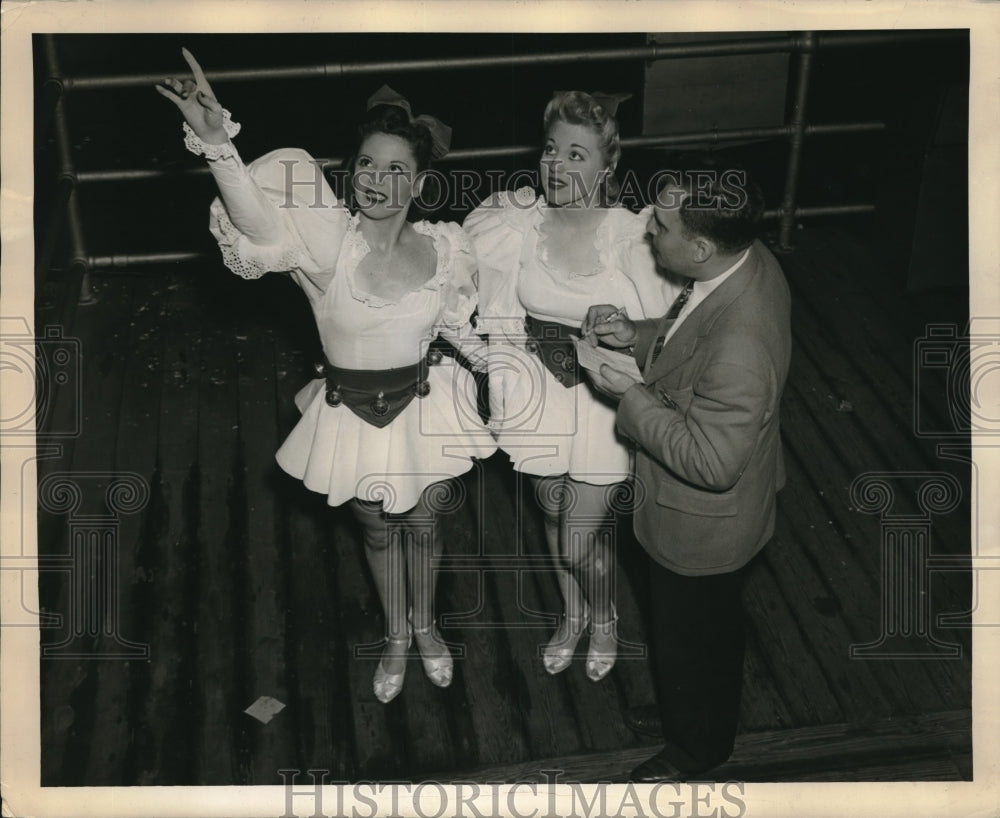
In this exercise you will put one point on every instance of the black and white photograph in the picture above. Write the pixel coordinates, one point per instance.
(552, 409)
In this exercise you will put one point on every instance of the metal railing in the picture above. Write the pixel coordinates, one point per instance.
(54, 93)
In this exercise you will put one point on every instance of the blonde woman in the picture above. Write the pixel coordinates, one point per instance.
(543, 261)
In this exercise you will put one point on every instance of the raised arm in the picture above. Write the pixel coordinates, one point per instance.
(208, 133)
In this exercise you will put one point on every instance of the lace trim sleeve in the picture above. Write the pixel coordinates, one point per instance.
(278, 214)
(248, 260)
(224, 150)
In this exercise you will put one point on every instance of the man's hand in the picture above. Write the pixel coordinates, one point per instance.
(608, 324)
(611, 381)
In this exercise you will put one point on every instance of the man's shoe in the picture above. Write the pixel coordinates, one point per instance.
(656, 769)
(645, 720)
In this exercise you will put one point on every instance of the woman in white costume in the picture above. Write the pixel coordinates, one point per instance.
(543, 260)
(387, 424)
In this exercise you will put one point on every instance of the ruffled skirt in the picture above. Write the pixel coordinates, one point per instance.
(434, 438)
(549, 429)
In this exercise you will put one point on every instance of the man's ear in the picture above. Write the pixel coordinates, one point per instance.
(704, 249)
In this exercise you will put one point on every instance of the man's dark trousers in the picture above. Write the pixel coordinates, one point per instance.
(698, 644)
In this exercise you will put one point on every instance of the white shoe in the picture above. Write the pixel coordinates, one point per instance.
(557, 655)
(438, 665)
(388, 685)
(603, 649)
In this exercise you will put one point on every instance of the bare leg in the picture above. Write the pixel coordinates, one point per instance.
(553, 495)
(385, 558)
(423, 550)
(587, 543)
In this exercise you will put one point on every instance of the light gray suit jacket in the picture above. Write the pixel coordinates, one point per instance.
(706, 423)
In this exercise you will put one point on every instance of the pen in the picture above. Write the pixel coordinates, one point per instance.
(619, 313)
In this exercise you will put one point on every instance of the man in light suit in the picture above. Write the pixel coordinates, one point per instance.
(705, 421)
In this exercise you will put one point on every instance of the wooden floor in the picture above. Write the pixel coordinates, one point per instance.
(233, 582)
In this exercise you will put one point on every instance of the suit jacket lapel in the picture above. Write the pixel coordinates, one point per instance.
(682, 344)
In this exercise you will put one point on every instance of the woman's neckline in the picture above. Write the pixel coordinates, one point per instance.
(596, 232)
(576, 218)
(421, 228)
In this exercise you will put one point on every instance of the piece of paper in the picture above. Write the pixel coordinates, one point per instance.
(264, 709)
(592, 357)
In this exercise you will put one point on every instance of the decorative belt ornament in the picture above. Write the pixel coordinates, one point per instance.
(377, 396)
(551, 342)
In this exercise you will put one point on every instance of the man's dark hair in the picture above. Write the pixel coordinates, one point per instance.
(723, 203)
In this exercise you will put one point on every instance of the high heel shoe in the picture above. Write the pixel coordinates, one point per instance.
(388, 685)
(601, 656)
(558, 653)
(438, 667)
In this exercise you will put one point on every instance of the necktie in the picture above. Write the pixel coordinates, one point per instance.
(675, 310)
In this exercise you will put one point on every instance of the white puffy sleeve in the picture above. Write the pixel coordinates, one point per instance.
(459, 295)
(458, 288)
(497, 229)
(278, 214)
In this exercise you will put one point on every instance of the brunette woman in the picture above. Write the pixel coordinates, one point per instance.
(384, 426)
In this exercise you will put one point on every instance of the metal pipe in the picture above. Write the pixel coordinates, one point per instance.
(858, 39)
(795, 142)
(713, 136)
(119, 261)
(737, 134)
(114, 262)
(46, 245)
(51, 93)
(834, 128)
(143, 174)
(78, 257)
(63, 147)
(823, 210)
(653, 51)
(67, 174)
(52, 111)
(139, 174)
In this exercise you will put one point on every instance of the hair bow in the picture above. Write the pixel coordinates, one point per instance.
(610, 102)
(440, 133)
